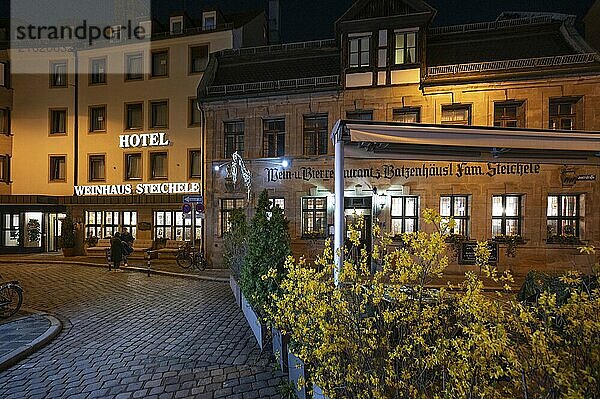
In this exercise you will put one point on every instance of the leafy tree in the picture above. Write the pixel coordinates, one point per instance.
(236, 242)
(67, 232)
(268, 248)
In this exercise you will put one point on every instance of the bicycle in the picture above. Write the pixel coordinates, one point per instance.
(188, 255)
(11, 298)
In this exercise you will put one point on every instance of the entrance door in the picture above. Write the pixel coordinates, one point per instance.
(54, 231)
(33, 239)
(355, 208)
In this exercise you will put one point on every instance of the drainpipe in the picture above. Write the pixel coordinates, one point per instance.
(202, 174)
(76, 124)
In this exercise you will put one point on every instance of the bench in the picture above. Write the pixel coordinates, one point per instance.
(140, 249)
(171, 248)
(100, 248)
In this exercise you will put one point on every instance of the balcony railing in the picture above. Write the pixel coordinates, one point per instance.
(524, 63)
(279, 47)
(486, 26)
(288, 84)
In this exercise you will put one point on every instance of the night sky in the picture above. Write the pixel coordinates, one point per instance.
(314, 19)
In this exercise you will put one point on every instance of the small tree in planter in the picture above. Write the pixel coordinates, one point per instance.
(235, 248)
(67, 238)
(268, 248)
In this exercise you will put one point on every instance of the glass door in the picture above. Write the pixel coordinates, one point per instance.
(54, 230)
(34, 228)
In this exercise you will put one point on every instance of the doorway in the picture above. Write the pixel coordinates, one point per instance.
(54, 230)
(354, 209)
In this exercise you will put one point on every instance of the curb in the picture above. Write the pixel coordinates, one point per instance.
(132, 268)
(21, 353)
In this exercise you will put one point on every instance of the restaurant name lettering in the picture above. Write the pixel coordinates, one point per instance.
(426, 170)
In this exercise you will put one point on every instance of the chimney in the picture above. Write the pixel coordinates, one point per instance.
(274, 21)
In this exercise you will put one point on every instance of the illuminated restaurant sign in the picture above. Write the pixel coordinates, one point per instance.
(139, 189)
(391, 171)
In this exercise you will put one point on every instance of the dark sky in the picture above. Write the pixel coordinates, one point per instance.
(313, 19)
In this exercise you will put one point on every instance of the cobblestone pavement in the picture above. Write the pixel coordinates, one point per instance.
(127, 335)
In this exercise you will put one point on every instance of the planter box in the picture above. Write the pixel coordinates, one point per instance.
(235, 288)
(296, 373)
(280, 350)
(258, 329)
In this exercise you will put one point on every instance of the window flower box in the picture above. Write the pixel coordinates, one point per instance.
(258, 329)
(564, 239)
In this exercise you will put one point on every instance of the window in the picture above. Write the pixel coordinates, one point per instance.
(4, 74)
(176, 24)
(111, 223)
(382, 50)
(195, 164)
(58, 74)
(234, 138)
(316, 135)
(158, 165)
(198, 58)
(564, 114)
(4, 168)
(58, 121)
(115, 33)
(228, 205)
(456, 207)
(360, 115)
(159, 114)
(98, 71)
(274, 138)
(405, 48)
(175, 225)
(97, 168)
(58, 168)
(105, 223)
(195, 115)
(160, 63)
(314, 216)
(506, 215)
(10, 230)
(134, 116)
(280, 202)
(359, 51)
(405, 214)
(456, 114)
(407, 114)
(209, 20)
(563, 215)
(163, 224)
(97, 117)
(5, 121)
(509, 114)
(134, 64)
(133, 166)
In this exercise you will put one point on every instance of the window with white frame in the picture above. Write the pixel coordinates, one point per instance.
(97, 171)
(314, 216)
(135, 66)
(404, 212)
(277, 201)
(359, 50)
(10, 230)
(195, 164)
(111, 223)
(58, 168)
(407, 114)
(209, 20)
(58, 121)
(456, 114)
(93, 224)
(58, 74)
(133, 166)
(563, 215)
(227, 206)
(103, 224)
(457, 208)
(176, 25)
(506, 215)
(158, 165)
(405, 47)
(97, 71)
(97, 118)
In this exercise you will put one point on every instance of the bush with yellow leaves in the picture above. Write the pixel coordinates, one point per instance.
(388, 335)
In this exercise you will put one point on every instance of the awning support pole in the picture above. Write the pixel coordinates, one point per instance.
(338, 240)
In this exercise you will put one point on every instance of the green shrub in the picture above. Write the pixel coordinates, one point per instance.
(67, 238)
(236, 242)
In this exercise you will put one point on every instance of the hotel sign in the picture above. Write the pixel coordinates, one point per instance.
(391, 171)
(139, 189)
(143, 140)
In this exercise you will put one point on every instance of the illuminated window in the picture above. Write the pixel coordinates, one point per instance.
(358, 50)
(97, 170)
(405, 214)
(58, 168)
(280, 202)
(58, 121)
(133, 166)
(163, 224)
(457, 208)
(227, 206)
(158, 165)
(103, 224)
(134, 118)
(564, 114)
(456, 114)
(97, 116)
(506, 215)
(93, 224)
(314, 216)
(274, 138)
(111, 223)
(407, 114)
(135, 66)
(10, 230)
(58, 74)
(129, 219)
(405, 48)
(563, 215)
(176, 24)
(509, 114)
(234, 138)
(316, 135)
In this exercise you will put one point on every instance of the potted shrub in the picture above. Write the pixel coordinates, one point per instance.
(67, 238)
(235, 247)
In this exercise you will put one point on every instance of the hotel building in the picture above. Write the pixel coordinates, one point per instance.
(520, 74)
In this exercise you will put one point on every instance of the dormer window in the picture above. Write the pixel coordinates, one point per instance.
(209, 20)
(405, 47)
(147, 26)
(359, 49)
(176, 24)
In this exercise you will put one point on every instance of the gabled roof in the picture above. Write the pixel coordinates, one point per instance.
(368, 9)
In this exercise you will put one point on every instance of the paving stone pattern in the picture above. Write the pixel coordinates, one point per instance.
(24, 329)
(127, 335)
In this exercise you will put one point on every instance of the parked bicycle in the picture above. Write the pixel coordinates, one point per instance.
(11, 298)
(189, 256)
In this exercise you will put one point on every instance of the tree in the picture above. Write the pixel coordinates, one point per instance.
(268, 249)
(67, 232)
(236, 241)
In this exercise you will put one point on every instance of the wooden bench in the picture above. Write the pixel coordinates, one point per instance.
(171, 248)
(100, 248)
(140, 249)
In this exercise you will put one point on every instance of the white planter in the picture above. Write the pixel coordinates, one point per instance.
(259, 330)
(235, 288)
(318, 392)
(280, 350)
(296, 372)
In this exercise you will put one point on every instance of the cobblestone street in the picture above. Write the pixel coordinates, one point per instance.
(127, 335)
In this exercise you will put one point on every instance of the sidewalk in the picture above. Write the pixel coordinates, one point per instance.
(25, 333)
(158, 266)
